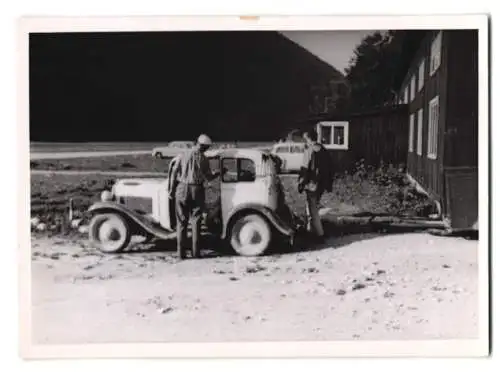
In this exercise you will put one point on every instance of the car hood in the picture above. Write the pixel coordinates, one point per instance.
(140, 181)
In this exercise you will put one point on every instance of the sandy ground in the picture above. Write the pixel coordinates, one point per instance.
(411, 286)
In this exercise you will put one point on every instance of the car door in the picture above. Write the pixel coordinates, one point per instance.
(238, 180)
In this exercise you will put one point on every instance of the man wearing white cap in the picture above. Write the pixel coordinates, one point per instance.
(191, 171)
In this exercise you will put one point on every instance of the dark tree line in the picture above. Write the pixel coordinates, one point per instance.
(163, 86)
(378, 68)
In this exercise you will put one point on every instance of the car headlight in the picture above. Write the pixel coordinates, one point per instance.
(106, 196)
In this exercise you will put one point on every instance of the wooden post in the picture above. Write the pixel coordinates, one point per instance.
(70, 214)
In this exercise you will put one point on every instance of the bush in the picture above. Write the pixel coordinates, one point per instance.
(390, 187)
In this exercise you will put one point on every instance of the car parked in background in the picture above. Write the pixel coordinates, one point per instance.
(172, 149)
(290, 154)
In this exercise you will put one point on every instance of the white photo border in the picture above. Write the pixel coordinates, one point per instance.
(442, 348)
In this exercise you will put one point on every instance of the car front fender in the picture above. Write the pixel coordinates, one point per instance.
(139, 219)
(269, 214)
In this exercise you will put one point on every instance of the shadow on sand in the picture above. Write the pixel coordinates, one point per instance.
(337, 235)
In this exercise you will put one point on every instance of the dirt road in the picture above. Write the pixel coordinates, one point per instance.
(411, 286)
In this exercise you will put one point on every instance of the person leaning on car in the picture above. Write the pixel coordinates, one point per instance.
(191, 171)
(315, 177)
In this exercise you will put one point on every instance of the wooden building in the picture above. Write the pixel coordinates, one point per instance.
(440, 91)
(375, 136)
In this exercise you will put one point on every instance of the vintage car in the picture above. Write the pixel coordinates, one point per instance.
(248, 214)
(291, 155)
(172, 149)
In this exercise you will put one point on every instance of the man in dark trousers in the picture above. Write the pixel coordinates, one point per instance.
(191, 171)
(315, 177)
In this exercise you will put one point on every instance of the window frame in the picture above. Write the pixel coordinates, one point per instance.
(420, 131)
(332, 125)
(413, 83)
(435, 58)
(421, 75)
(433, 129)
(411, 133)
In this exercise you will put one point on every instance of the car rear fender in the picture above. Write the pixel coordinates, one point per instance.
(267, 213)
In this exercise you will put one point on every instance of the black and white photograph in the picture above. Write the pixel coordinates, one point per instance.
(255, 184)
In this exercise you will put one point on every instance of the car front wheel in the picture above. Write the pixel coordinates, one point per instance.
(109, 233)
(158, 155)
(250, 235)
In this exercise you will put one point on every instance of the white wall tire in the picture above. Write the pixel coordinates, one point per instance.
(250, 235)
(109, 233)
(158, 155)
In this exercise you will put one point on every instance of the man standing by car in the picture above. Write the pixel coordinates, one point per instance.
(315, 177)
(191, 171)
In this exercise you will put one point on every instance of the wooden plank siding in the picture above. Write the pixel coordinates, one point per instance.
(426, 171)
(451, 178)
(376, 136)
(462, 122)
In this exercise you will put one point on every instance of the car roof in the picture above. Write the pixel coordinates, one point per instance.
(288, 143)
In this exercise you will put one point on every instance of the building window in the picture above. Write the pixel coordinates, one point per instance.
(406, 95)
(334, 135)
(412, 88)
(435, 54)
(421, 75)
(432, 140)
(420, 117)
(410, 134)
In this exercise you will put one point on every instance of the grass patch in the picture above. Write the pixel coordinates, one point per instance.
(137, 162)
(51, 147)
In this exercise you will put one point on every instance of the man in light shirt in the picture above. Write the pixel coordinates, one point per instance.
(191, 171)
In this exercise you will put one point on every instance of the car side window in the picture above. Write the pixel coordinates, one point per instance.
(237, 170)
(282, 149)
(297, 149)
(246, 170)
(229, 170)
